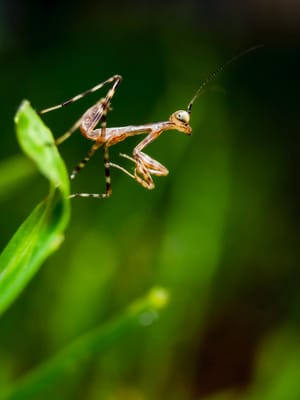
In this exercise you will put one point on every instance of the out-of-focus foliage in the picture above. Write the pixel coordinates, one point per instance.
(220, 232)
(142, 312)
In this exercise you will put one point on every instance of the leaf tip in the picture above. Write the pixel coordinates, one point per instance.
(24, 104)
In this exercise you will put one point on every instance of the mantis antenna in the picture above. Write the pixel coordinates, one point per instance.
(144, 165)
(213, 75)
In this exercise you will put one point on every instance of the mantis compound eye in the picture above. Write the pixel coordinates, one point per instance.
(183, 116)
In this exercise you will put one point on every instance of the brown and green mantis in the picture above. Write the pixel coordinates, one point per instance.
(103, 136)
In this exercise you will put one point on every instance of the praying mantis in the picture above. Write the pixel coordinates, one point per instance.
(103, 136)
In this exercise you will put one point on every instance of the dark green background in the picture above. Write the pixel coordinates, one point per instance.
(221, 232)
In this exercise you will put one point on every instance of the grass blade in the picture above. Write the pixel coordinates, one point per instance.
(142, 312)
(42, 232)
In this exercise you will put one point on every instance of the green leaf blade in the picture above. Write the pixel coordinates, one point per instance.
(140, 314)
(37, 142)
(42, 232)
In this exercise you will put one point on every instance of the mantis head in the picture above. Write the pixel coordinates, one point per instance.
(181, 120)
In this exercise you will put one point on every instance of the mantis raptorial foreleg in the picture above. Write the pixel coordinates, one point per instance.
(145, 166)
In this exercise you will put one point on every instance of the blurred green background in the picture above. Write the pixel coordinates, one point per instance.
(221, 232)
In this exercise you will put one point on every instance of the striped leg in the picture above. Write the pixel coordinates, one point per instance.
(115, 78)
(66, 135)
(108, 190)
(93, 117)
(99, 141)
(92, 151)
(86, 159)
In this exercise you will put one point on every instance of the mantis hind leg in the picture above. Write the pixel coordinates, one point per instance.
(107, 164)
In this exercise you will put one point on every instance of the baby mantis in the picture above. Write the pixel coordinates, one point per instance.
(104, 137)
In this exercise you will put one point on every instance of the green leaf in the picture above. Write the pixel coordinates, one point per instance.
(37, 142)
(42, 232)
(142, 312)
